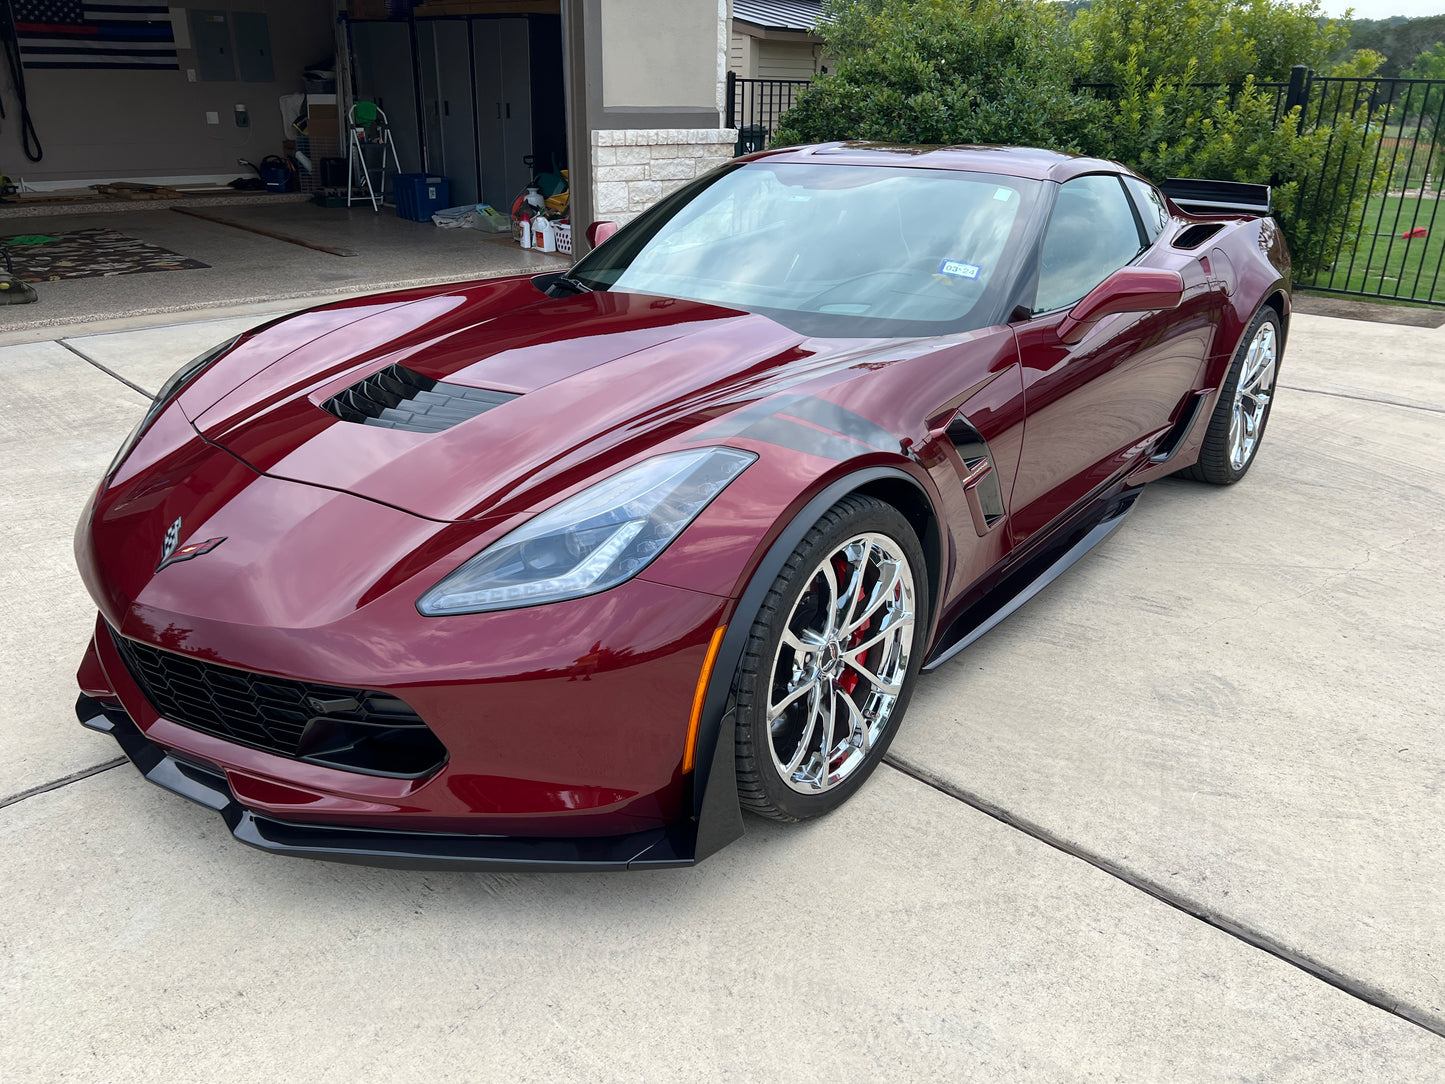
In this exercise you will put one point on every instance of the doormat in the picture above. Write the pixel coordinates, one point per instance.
(88, 253)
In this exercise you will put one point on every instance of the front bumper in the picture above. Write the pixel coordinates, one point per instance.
(681, 844)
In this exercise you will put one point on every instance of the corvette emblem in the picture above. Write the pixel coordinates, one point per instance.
(170, 554)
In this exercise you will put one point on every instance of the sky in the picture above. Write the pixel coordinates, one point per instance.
(1383, 9)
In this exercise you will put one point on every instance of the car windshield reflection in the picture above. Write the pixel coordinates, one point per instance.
(858, 249)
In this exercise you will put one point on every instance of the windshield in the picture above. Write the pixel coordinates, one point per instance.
(843, 249)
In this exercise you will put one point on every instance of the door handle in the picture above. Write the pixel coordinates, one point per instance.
(446, 108)
(509, 110)
(499, 110)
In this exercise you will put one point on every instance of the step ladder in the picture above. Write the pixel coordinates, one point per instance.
(368, 127)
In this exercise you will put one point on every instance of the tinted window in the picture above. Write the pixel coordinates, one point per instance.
(1151, 206)
(1091, 234)
(874, 250)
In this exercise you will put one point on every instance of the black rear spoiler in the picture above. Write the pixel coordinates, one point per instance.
(1218, 197)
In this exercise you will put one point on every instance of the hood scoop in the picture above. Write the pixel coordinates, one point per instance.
(400, 398)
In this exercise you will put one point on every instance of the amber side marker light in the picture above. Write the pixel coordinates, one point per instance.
(689, 754)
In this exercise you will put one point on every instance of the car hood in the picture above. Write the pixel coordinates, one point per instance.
(584, 382)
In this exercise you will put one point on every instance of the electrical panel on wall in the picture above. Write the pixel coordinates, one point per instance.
(212, 36)
(253, 46)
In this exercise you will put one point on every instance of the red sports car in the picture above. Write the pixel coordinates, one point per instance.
(566, 571)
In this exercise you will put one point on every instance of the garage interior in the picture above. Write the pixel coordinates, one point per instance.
(144, 142)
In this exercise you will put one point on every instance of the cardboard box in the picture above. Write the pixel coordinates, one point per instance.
(322, 121)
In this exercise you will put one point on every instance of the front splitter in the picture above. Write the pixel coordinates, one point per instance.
(657, 848)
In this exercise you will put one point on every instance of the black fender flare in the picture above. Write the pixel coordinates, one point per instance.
(717, 812)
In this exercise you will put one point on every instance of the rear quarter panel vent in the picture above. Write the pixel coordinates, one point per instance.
(1194, 236)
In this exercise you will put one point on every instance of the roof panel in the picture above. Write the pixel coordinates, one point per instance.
(801, 15)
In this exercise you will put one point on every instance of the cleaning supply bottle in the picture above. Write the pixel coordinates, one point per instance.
(544, 235)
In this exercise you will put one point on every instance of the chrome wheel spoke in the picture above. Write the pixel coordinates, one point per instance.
(790, 699)
(830, 607)
(902, 622)
(855, 587)
(883, 592)
(878, 684)
(806, 741)
(860, 735)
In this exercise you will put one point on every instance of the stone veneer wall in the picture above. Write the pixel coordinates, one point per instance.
(634, 168)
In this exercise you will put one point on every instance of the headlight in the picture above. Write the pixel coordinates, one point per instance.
(595, 540)
(169, 390)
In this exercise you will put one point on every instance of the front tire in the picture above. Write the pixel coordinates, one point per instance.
(830, 662)
(1236, 427)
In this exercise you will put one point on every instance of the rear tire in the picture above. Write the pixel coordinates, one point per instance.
(1236, 427)
(830, 662)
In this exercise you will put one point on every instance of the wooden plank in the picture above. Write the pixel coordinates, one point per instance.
(275, 235)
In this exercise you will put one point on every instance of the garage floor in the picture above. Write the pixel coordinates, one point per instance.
(1177, 819)
(248, 267)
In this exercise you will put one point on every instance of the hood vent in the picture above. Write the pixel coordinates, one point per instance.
(397, 398)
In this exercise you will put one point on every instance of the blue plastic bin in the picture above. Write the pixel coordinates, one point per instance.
(419, 195)
(276, 178)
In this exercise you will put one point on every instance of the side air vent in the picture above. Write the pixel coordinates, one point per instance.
(397, 398)
(1195, 236)
(980, 484)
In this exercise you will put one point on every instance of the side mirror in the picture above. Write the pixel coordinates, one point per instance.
(599, 232)
(1129, 289)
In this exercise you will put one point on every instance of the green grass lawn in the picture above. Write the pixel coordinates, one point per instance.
(1386, 264)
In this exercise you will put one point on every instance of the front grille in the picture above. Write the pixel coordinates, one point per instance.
(355, 729)
(398, 398)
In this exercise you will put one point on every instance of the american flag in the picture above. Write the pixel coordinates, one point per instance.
(95, 34)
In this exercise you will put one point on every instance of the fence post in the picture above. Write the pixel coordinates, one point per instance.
(1298, 93)
(732, 110)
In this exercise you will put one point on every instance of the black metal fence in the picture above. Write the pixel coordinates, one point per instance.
(754, 106)
(1386, 160)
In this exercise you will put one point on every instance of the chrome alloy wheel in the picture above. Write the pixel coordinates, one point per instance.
(1251, 396)
(841, 663)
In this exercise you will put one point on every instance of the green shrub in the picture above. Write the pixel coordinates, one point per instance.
(1207, 41)
(945, 71)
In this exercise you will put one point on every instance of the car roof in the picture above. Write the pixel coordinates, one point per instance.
(1027, 162)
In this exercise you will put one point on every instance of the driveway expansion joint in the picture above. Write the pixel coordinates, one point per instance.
(1405, 403)
(108, 372)
(63, 781)
(1358, 988)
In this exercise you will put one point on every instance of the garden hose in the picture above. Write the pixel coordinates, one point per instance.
(10, 42)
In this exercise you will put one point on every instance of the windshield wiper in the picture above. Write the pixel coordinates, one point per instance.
(577, 286)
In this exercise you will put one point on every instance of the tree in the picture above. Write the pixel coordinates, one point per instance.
(1207, 41)
(1399, 40)
(1431, 65)
(945, 71)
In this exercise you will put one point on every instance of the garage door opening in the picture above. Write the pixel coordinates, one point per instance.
(477, 99)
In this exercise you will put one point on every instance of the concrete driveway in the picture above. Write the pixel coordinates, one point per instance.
(1178, 819)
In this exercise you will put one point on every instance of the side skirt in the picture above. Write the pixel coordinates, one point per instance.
(1035, 572)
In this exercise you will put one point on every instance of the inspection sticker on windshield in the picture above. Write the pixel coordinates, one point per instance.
(958, 269)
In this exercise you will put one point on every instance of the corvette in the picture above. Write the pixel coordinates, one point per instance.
(566, 571)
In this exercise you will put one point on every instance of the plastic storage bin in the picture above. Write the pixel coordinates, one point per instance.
(421, 195)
